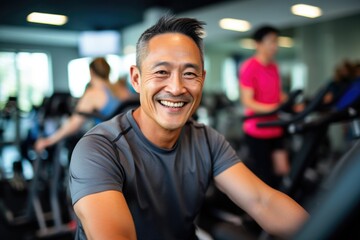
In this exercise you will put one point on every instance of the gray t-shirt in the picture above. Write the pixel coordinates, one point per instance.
(164, 188)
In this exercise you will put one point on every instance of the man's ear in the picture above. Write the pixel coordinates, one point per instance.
(204, 75)
(135, 78)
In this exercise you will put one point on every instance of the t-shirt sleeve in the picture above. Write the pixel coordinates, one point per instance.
(223, 155)
(94, 168)
(246, 75)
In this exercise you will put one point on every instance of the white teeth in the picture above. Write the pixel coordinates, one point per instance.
(172, 104)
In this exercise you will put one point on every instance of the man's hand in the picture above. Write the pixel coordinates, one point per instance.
(274, 211)
(41, 144)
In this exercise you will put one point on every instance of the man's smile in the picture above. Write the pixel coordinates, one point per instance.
(172, 104)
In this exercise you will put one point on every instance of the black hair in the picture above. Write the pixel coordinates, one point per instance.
(263, 31)
(169, 24)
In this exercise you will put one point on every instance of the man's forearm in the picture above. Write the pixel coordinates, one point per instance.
(260, 107)
(281, 215)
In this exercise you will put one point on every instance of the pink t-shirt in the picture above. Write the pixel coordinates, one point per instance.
(266, 84)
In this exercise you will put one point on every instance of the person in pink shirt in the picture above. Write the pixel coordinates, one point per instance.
(260, 87)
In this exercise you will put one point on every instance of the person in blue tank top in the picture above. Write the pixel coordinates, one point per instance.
(352, 93)
(100, 97)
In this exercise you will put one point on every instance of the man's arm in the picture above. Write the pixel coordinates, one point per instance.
(283, 97)
(247, 99)
(71, 126)
(274, 211)
(105, 215)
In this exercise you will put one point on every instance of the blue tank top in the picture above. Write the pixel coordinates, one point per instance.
(350, 96)
(111, 105)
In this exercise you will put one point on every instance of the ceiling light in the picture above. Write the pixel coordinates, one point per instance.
(306, 10)
(286, 42)
(247, 43)
(234, 24)
(46, 18)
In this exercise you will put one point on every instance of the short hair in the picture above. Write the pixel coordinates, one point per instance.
(169, 24)
(263, 31)
(100, 67)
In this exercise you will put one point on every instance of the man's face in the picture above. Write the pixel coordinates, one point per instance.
(170, 81)
(269, 45)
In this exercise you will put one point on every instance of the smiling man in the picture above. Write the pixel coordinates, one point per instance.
(144, 174)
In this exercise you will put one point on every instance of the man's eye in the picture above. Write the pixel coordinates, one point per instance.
(190, 74)
(161, 72)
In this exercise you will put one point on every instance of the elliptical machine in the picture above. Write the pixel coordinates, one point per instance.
(43, 213)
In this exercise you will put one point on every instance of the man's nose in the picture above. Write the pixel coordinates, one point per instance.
(176, 85)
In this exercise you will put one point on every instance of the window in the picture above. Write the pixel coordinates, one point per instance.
(230, 79)
(26, 76)
(79, 74)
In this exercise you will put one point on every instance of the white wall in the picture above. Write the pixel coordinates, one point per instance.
(324, 45)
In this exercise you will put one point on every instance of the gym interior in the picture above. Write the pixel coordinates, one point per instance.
(44, 72)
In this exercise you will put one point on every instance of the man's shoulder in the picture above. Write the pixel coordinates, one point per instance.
(201, 127)
(111, 128)
(250, 63)
(197, 126)
(249, 66)
(193, 123)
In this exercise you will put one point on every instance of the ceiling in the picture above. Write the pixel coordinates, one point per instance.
(274, 12)
(129, 16)
(119, 14)
(91, 14)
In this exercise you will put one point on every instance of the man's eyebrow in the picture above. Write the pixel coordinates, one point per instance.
(186, 65)
(192, 65)
(161, 64)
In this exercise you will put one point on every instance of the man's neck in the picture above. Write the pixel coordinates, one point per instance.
(263, 59)
(99, 82)
(154, 133)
